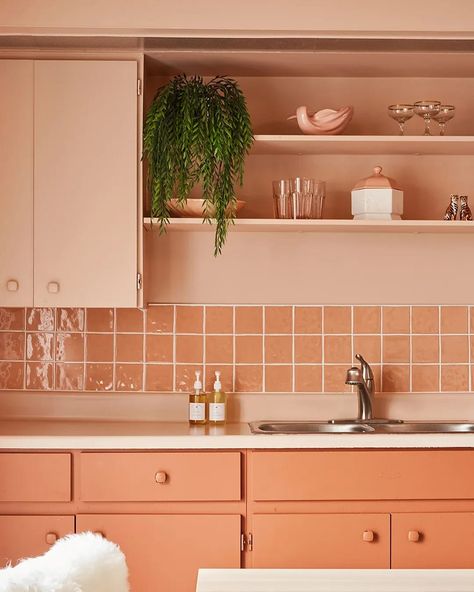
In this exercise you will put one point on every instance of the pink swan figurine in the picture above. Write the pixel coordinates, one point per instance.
(326, 121)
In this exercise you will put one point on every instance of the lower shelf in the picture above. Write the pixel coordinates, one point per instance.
(272, 225)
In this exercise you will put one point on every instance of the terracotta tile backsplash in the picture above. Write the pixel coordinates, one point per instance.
(304, 349)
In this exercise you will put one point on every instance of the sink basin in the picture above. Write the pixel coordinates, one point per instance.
(307, 427)
(323, 427)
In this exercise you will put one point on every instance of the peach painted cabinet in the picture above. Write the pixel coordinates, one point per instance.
(69, 174)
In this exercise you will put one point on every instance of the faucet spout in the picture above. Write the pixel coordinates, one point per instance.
(355, 376)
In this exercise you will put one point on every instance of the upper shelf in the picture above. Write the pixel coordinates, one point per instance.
(271, 225)
(417, 145)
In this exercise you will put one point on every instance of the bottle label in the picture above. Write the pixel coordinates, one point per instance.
(217, 411)
(197, 411)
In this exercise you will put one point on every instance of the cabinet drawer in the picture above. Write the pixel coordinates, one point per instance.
(433, 541)
(161, 476)
(362, 475)
(41, 477)
(314, 541)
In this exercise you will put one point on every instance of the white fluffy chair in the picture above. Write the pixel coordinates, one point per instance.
(77, 563)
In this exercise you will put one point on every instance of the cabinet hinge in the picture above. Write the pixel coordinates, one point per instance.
(139, 281)
(246, 541)
(139, 87)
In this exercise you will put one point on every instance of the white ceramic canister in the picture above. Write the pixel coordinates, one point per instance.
(377, 198)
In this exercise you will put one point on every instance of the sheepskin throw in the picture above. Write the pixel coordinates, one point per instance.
(77, 563)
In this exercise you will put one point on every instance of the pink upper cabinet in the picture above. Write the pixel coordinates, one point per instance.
(85, 183)
(16, 182)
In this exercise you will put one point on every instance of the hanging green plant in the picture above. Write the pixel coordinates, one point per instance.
(197, 132)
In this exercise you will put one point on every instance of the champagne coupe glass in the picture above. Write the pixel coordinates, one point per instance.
(427, 110)
(445, 114)
(401, 113)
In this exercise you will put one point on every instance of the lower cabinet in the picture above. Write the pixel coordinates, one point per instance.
(321, 541)
(164, 552)
(27, 536)
(433, 540)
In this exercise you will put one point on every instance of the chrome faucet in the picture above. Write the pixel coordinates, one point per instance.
(363, 379)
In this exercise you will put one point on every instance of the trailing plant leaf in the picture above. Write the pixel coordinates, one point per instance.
(197, 132)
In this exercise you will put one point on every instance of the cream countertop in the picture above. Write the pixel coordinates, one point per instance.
(139, 435)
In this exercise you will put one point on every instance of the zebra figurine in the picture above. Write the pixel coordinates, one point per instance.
(465, 213)
(452, 209)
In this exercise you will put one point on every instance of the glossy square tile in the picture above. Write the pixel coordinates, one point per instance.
(454, 348)
(396, 319)
(99, 377)
(70, 319)
(40, 346)
(99, 347)
(249, 349)
(425, 379)
(219, 319)
(454, 319)
(160, 319)
(396, 379)
(219, 349)
(308, 349)
(337, 319)
(159, 377)
(128, 377)
(12, 345)
(425, 319)
(367, 319)
(278, 379)
(334, 379)
(189, 319)
(12, 319)
(454, 378)
(396, 348)
(40, 376)
(249, 319)
(248, 379)
(69, 377)
(40, 319)
(425, 348)
(337, 349)
(308, 379)
(185, 376)
(278, 319)
(278, 349)
(159, 348)
(129, 320)
(69, 347)
(129, 347)
(227, 377)
(369, 346)
(308, 319)
(189, 349)
(100, 320)
(12, 375)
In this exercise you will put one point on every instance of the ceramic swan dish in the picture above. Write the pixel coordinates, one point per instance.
(326, 121)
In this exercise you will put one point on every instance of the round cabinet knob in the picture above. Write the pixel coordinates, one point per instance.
(368, 536)
(53, 287)
(414, 536)
(161, 477)
(51, 538)
(12, 286)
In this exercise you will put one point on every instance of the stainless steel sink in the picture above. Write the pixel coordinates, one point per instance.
(323, 427)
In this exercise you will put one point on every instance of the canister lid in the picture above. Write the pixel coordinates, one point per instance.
(377, 181)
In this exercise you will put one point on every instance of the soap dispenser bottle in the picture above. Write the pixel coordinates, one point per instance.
(197, 403)
(217, 402)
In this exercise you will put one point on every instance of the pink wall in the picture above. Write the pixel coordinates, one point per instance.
(257, 348)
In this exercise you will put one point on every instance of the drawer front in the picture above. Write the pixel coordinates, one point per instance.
(40, 477)
(28, 536)
(362, 475)
(161, 476)
(316, 541)
(433, 541)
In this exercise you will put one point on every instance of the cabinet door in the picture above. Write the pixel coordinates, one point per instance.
(164, 552)
(28, 536)
(85, 183)
(322, 541)
(433, 541)
(16, 183)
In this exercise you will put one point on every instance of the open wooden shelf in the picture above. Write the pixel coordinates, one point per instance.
(345, 226)
(300, 144)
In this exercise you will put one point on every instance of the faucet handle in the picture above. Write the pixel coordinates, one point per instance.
(366, 369)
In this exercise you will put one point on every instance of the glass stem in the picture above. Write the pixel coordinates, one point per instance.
(401, 125)
(442, 129)
(427, 126)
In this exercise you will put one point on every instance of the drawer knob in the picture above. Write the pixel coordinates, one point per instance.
(51, 538)
(414, 536)
(12, 286)
(53, 287)
(368, 536)
(161, 477)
